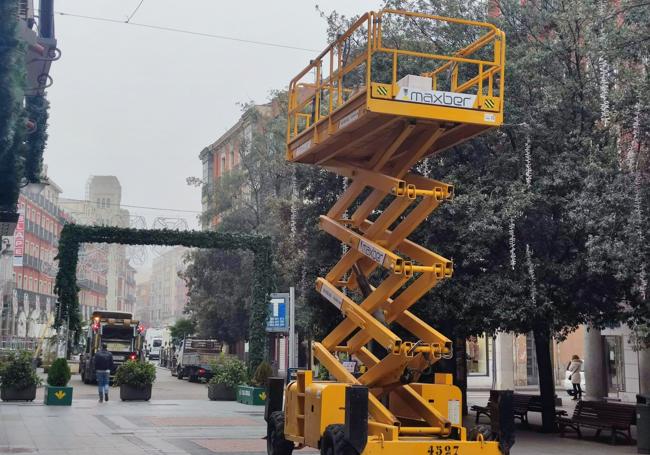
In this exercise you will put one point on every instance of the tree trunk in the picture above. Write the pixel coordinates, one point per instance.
(546, 382)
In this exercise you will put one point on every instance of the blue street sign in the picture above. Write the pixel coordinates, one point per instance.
(278, 320)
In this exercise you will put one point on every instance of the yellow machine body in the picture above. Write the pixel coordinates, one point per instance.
(372, 129)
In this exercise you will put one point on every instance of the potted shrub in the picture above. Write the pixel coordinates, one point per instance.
(255, 393)
(57, 392)
(229, 372)
(135, 380)
(18, 378)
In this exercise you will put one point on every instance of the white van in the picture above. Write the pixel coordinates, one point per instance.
(154, 338)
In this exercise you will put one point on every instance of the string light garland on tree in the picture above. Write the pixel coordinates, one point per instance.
(603, 66)
(73, 235)
(513, 251)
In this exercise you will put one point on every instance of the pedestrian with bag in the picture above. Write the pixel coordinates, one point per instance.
(575, 368)
(103, 361)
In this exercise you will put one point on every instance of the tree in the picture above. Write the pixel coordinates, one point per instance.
(219, 293)
(253, 197)
(182, 328)
(553, 173)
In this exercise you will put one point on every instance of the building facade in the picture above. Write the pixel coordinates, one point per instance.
(28, 268)
(162, 299)
(225, 154)
(143, 310)
(509, 362)
(102, 207)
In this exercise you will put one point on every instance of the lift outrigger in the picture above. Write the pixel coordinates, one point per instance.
(362, 114)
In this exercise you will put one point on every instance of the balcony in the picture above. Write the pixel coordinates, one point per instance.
(85, 283)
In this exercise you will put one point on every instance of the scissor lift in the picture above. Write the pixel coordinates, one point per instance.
(357, 110)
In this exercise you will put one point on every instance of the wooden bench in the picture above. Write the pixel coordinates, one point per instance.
(617, 418)
(522, 404)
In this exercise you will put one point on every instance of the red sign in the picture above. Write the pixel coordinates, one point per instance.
(19, 240)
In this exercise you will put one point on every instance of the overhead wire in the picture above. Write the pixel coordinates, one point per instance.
(134, 11)
(187, 32)
(140, 206)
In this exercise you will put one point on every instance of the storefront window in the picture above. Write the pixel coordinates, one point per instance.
(477, 356)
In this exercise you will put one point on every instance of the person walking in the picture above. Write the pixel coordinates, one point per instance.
(103, 365)
(575, 368)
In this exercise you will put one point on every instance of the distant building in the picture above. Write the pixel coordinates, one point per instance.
(224, 155)
(166, 295)
(102, 207)
(143, 311)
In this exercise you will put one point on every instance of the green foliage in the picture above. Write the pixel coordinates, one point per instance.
(12, 113)
(323, 374)
(72, 235)
(220, 300)
(182, 328)
(37, 111)
(135, 373)
(58, 375)
(18, 373)
(262, 374)
(228, 371)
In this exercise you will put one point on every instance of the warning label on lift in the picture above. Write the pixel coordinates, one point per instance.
(332, 296)
(436, 97)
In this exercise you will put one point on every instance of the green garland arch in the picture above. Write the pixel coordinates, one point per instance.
(72, 235)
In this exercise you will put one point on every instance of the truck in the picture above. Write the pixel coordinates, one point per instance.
(154, 339)
(194, 358)
(123, 336)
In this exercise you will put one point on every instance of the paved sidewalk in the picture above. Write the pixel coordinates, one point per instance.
(186, 426)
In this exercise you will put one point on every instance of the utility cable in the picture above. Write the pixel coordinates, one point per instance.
(128, 19)
(187, 32)
(137, 206)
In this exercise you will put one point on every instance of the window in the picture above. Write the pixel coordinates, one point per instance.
(223, 163)
(232, 158)
(477, 356)
(98, 202)
(614, 363)
(108, 203)
(248, 135)
(206, 169)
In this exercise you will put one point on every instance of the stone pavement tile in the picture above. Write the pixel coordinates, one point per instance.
(535, 443)
(232, 445)
(203, 421)
(239, 446)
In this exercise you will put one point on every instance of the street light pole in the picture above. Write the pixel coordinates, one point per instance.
(292, 328)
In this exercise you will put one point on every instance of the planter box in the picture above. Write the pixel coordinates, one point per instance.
(221, 392)
(57, 396)
(11, 394)
(130, 393)
(251, 395)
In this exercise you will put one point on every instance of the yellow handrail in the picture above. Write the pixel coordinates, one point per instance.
(314, 101)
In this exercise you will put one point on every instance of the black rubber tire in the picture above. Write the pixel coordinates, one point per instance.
(193, 378)
(484, 430)
(179, 374)
(333, 441)
(276, 444)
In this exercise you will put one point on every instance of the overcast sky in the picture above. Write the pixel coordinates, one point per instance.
(141, 104)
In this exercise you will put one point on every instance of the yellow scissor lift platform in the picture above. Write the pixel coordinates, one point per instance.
(359, 111)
